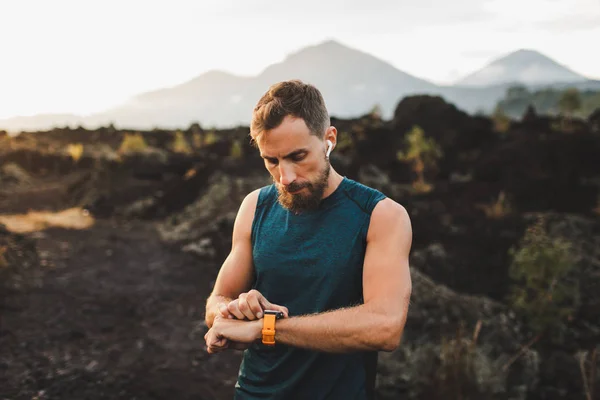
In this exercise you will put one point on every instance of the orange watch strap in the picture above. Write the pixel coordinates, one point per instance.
(268, 331)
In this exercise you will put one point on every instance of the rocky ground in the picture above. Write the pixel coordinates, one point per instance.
(115, 309)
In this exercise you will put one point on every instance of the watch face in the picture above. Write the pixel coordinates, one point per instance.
(277, 314)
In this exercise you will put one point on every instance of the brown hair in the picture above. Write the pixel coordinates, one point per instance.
(292, 97)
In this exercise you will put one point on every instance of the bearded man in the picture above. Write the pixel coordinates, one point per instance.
(317, 280)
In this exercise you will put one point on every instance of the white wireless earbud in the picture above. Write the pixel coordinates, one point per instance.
(329, 147)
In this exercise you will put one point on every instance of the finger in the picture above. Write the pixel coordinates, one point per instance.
(233, 308)
(221, 343)
(216, 344)
(216, 349)
(254, 305)
(223, 310)
(244, 307)
(267, 305)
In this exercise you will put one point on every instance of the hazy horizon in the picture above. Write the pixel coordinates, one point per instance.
(75, 57)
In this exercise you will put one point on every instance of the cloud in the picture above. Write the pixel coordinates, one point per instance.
(572, 23)
(355, 15)
(552, 16)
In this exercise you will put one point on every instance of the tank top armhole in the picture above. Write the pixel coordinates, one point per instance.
(369, 205)
(264, 195)
(373, 200)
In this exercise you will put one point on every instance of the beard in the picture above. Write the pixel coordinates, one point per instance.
(298, 202)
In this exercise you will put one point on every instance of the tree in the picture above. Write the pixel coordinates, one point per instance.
(570, 101)
(376, 112)
(423, 153)
(500, 119)
(530, 114)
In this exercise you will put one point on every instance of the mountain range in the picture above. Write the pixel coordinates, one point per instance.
(351, 81)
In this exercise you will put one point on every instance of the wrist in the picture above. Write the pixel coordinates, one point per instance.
(258, 326)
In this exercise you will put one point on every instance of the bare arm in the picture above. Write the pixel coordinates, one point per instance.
(379, 322)
(235, 275)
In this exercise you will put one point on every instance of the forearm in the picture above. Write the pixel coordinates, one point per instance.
(344, 330)
(212, 307)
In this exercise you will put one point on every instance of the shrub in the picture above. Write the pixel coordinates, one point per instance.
(133, 143)
(423, 153)
(542, 294)
(236, 151)
(180, 144)
(75, 151)
(501, 120)
(209, 138)
(498, 209)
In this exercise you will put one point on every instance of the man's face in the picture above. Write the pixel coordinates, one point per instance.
(297, 163)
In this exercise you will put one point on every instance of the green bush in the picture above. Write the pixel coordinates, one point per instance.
(422, 153)
(133, 143)
(180, 144)
(236, 151)
(542, 292)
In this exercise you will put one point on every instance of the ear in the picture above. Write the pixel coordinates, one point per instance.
(331, 135)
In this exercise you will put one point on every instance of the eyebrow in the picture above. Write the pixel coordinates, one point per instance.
(290, 155)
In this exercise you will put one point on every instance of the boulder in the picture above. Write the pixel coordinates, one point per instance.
(457, 346)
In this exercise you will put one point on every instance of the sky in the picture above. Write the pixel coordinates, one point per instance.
(81, 57)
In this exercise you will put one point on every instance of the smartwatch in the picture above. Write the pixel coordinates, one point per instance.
(268, 331)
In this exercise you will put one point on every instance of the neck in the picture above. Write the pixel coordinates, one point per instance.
(333, 182)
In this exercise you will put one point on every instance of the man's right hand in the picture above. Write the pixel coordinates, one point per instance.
(250, 305)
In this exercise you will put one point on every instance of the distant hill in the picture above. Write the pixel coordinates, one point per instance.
(352, 83)
(527, 67)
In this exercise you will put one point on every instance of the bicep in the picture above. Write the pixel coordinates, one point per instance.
(236, 273)
(386, 275)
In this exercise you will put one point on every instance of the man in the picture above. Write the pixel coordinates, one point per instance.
(328, 253)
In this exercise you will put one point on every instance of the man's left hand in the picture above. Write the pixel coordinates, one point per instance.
(233, 330)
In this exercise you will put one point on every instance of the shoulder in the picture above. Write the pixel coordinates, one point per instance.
(256, 200)
(251, 199)
(257, 197)
(247, 209)
(388, 208)
(389, 218)
(367, 198)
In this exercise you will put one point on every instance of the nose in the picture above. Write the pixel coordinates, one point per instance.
(286, 174)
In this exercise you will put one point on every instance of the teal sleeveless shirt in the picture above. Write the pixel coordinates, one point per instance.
(310, 262)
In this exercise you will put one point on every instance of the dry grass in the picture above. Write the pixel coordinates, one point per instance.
(73, 218)
(133, 143)
(75, 150)
(422, 187)
(497, 209)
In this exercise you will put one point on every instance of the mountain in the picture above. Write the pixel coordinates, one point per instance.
(209, 99)
(527, 67)
(351, 81)
(40, 122)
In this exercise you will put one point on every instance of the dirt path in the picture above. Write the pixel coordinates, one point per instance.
(119, 316)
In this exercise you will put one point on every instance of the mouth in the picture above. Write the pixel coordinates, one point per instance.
(295, 191)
